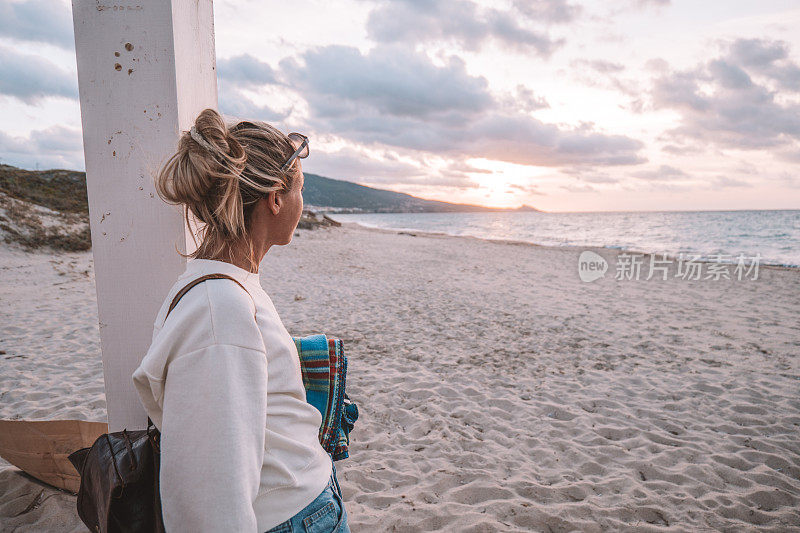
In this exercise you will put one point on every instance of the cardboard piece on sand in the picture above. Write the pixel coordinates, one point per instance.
(41, 448)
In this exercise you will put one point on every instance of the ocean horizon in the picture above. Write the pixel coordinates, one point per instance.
(773, 236)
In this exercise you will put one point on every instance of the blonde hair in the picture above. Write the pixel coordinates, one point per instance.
(219, 173)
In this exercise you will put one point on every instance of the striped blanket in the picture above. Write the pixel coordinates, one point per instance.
(324, 368)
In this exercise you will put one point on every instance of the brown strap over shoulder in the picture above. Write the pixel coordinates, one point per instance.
(195, 282)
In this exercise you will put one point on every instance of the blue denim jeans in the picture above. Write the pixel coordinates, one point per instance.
(326, 514)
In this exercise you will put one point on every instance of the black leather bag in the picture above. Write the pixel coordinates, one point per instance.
(119, 482)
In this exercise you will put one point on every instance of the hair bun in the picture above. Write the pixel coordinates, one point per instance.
(211, 134)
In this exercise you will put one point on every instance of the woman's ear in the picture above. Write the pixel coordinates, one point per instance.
(274, 202)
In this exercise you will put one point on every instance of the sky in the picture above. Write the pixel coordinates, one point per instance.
(564, 105)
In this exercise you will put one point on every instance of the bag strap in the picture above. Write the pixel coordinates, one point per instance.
(180, 295)
(195, 282)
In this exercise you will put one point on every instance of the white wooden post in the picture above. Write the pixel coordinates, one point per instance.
(146, 69)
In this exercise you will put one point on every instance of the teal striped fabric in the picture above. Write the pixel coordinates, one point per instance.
(324, 368)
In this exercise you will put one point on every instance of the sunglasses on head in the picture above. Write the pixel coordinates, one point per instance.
(300, 142)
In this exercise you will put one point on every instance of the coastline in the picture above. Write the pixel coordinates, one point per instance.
(567, 247)
(496, 390)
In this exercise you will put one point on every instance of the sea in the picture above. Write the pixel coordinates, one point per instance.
(722, 236)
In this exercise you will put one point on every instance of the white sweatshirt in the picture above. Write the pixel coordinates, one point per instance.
(239, 443)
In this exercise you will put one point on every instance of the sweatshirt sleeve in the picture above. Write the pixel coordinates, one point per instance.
(212, 439)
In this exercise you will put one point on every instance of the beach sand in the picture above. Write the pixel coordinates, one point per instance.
(497, 392)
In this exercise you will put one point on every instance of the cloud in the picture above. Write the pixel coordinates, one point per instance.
(461, 166)
(662, 173)
(45, 21)
(792, 155)
(233, 102)
(767, 58)
(457, 174)
(525, 100)
(392, 80)
(589, 175)
(467, 24)
(353, 165)
(356, 166)
(527, 141)
(758, 52)
(549, 11)
(723, 182)
(722, 102)
(578, 188)
(245, 70)
(595, 177)
(32, 78)
(398, 97)
(729, 76)
(683, 149)
(528, 189)
(657, 64)
(617, 8)
(651, 3)
(55, 147)
(58, 139)
(608, 75)
(598, 65)
(788, 179)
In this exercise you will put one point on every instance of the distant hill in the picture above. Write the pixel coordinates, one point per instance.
(65, 190)
(343, 196)
(44, 209)
(60, 190)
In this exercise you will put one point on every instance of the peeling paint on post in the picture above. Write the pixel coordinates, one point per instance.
(135, 56)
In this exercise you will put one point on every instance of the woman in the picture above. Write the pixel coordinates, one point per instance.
(221, 381)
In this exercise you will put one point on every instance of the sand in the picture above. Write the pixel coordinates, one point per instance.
(497, 391)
